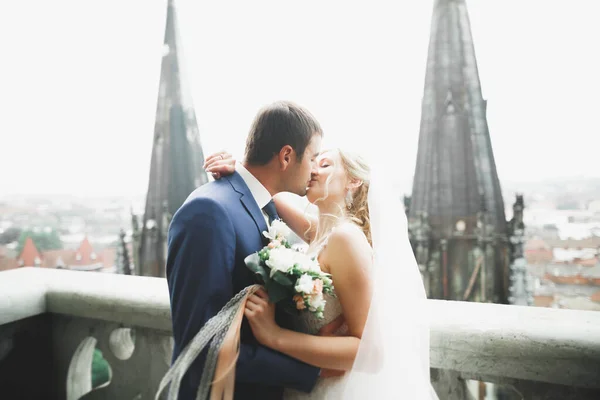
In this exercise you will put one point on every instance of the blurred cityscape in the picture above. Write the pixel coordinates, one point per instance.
(562, 248)
(79, 233)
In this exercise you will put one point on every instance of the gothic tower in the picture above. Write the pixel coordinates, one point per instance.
(177, 158)
(456, 212)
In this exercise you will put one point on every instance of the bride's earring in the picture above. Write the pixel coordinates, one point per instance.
(348, 199)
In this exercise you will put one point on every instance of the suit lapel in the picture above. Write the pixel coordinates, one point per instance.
(238, 184)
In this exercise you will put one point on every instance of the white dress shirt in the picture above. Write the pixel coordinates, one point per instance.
(259, 192)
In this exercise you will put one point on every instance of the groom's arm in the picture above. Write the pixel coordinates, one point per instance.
(199, 272)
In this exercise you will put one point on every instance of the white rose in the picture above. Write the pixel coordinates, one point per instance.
(305, 284)
(278, 227)
(307, 264)
(316, 302)
(300, 247)
(278, 230)
(314, 266)
(281, 259)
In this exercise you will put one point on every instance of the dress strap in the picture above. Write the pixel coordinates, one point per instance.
(323, 243)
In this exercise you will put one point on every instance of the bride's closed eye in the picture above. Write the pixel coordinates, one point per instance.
(324, 164)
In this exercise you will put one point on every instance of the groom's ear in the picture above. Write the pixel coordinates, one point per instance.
(285, 156)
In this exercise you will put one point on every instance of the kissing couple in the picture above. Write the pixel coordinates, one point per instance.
(372, 337)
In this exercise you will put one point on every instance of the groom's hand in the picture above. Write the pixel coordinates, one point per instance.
(331, 373)
(331, 328)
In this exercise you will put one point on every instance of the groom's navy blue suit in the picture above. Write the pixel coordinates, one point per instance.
(209, 237)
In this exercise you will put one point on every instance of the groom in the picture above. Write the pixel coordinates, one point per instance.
(218, 226)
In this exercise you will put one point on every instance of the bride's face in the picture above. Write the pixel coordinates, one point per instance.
(328, 184)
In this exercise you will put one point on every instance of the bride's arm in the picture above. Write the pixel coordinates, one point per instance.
(349, 258)
(302, 224)
(223, 164)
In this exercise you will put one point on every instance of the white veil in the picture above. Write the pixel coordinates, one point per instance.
(393, 357)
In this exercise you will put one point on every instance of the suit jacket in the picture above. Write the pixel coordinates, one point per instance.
(209, 237)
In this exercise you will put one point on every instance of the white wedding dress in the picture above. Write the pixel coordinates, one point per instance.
(393, 357)
(325, 388)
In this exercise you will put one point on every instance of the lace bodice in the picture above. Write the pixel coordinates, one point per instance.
(308, 322)
(326, 388)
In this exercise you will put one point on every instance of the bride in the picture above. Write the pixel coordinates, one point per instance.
(374, 337)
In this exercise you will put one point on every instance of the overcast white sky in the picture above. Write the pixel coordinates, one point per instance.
(79, 80)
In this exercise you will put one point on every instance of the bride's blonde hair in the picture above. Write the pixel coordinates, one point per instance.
(357, 206)
(358, 209)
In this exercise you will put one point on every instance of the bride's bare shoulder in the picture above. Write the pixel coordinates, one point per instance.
(348, 253)
(348, 236)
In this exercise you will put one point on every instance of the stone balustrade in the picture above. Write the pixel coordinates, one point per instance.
(53, 323)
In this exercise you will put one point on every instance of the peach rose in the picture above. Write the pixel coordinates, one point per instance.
(273, 244)
(299, 302)
(318, 287)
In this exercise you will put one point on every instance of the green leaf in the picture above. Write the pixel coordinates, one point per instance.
(264, 254)
(254, 263)
(276, 292)
(282, 279)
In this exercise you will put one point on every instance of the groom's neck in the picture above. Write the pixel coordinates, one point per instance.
(265, 175)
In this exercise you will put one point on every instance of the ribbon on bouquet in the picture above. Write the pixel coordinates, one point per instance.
(223, 333)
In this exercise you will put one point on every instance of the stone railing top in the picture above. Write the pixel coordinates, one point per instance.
(135, 300)
(479, 340)
(529, 343)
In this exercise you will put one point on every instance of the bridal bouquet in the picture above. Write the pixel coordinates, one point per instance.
(291, 277)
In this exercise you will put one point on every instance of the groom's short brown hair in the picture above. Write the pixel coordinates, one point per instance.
(276, 125)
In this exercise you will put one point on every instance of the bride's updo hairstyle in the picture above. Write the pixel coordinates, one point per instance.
(357, 205)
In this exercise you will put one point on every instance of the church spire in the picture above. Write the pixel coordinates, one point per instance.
(177, 158)
(456, 214)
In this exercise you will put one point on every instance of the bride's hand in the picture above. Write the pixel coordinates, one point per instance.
(261, 315)
(220, 164)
